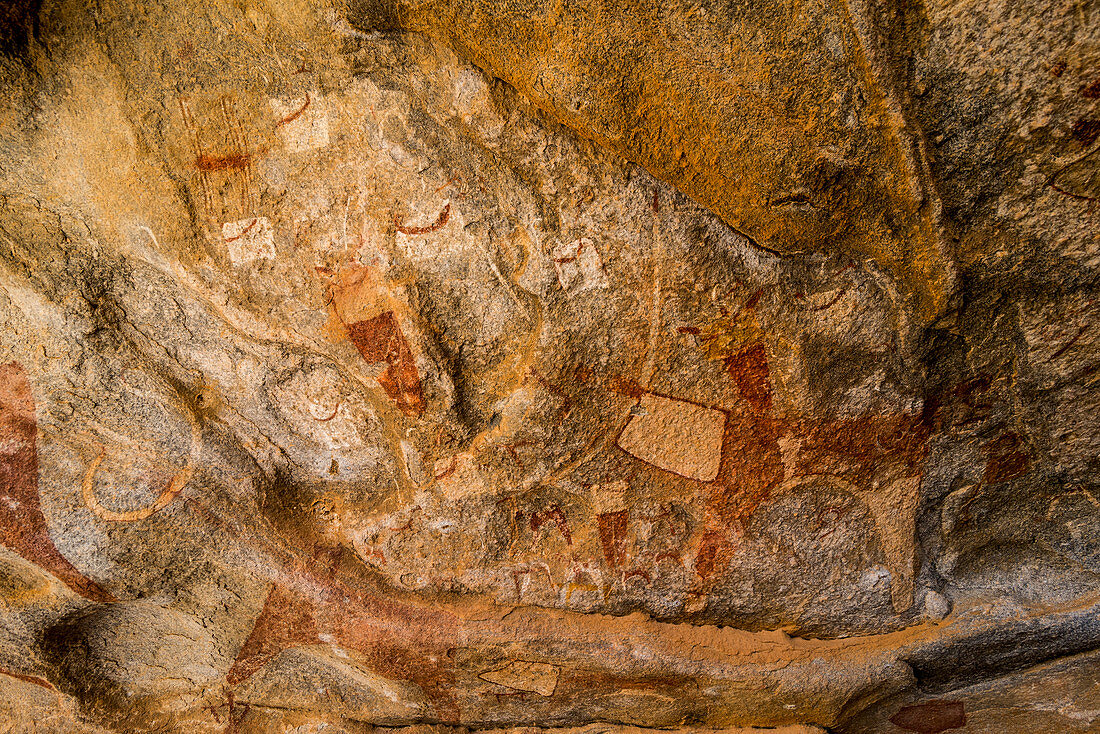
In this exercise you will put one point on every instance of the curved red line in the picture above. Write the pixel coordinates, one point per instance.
(291, 118)
(439, 222)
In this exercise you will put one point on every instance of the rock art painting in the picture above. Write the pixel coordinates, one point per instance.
(676, 436)
(24, 527)
(303, 123)
(357, 301)
(579, 266)
(525, 676)
(248, 240)
(433, 368)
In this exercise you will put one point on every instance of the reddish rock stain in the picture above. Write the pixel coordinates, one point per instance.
(932, 717)
(1006, 459)
(381, 340)
(33, 679)
(244, 231)
(968, 402)
(451, 468)
(749, 369)
(552, 514)
(558, 392)
(753, 300)
(715, 553)
(285, 621)
(444, 215)
(23, 527)
(295, 115)
(391, 639)
(624, 386)
(854, 448)
(613, 527)
(1086, 131)
(751, 466)
(231, 162)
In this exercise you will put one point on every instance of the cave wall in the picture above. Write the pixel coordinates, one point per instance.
(603, 368)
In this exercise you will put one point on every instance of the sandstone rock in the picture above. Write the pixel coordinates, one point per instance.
(431, 368)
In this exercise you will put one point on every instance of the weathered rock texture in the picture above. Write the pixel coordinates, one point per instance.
(592, 368)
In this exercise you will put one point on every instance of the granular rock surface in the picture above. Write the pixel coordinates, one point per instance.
(432, 368)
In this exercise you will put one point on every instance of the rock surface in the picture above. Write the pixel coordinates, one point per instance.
(594, 369)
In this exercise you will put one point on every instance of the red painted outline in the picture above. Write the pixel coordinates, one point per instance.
(291, 118)
(439, 222)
